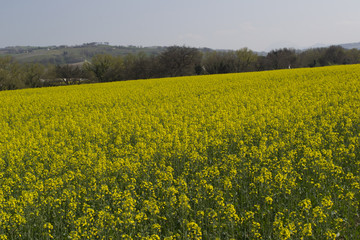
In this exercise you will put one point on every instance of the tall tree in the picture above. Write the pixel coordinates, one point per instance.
(32, 72)
(68, 73)
(10, 74)
(99, 66)
(139, 66)
(333, 55)
(179, 61)
(282, 58)
(247, 59)
(310, 57)
(221, 62)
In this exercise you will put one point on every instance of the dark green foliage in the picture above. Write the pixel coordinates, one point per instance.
(179, 61)
(70, 74)
(10, 74)
(32, 73)
(282, 58)
(164, 62)
(100, 66)
(220, 62)
(333, 55)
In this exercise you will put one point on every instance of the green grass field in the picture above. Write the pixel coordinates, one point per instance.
(266, 155)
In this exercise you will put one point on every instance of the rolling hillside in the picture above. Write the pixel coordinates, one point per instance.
(72, 54)
(75, 54)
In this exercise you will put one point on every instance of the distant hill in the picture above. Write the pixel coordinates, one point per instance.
(72, 54)
(351, 45)
(344, 45)
(78, 54)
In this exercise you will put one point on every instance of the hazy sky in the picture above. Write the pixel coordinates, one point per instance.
(223, 24)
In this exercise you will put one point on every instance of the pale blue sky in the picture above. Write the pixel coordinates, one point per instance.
(222, 24)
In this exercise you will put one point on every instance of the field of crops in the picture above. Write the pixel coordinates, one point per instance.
(267, 155)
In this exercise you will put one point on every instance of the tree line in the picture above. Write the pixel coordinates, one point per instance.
(172, 62)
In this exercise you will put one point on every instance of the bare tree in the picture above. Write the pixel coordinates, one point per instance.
(179, 61)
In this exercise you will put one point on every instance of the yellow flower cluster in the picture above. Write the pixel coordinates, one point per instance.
(266, 155)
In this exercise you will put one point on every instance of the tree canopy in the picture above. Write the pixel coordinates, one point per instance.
(170, 62)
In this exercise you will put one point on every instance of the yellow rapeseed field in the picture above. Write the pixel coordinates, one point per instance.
(266, 155)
